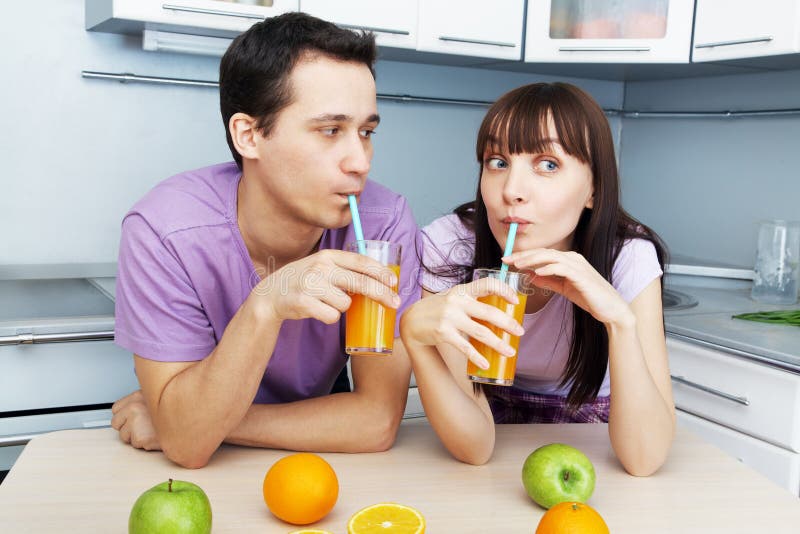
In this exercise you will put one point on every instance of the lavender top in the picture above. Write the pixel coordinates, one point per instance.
(184, 271)
(544, 349)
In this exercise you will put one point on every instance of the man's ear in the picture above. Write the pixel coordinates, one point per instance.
(242, 128)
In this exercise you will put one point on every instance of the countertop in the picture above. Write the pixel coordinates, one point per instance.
(711, 322)
(87, 481)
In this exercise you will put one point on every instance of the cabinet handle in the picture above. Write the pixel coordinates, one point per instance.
(740, 400)
(18, 439)
(603, 48)
(206, 11)
(766, 39)
(63, 337)
(374, 29)
(476, 41)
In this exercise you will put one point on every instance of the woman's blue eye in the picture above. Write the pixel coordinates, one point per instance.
(496, 163)
(547, 165)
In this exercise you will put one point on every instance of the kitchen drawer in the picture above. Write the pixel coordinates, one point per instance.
(413, 405)
(777, 464)
(756, 399)
(64, 374)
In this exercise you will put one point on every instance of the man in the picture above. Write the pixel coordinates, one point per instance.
(232, 278)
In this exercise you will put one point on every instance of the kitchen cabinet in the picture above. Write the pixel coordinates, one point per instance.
(745, 408)
(472, 28)
(394, 22)
(59, 367)
(203, 17)
(732, 29)
(623, 31)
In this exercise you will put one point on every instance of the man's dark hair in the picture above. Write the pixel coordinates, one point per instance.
(254, 72)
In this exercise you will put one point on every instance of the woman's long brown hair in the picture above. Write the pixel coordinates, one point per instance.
(518, 123)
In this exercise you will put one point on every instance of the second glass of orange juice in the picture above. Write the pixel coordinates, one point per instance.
(369, 326)
(501, 368)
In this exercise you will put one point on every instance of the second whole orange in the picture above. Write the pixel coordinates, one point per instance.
(301, 488)
(572, 518)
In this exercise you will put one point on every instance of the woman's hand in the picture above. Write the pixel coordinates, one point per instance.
(451, 316)
(571, 275)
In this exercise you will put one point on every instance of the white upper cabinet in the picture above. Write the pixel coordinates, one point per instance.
(731, 29)
(472, 28)
(394, 22)
(613, 31)
(205, 17)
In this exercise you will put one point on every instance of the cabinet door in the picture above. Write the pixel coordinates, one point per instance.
(394, 22)
(218, 17)
(472, 28)
(622, 31)
(779, 465)
(730, 29)
(747, 396)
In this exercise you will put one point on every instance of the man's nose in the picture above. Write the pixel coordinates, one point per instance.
(358, 157)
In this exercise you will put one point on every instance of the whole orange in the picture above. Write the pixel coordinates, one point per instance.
(572, 518)
(301, 488)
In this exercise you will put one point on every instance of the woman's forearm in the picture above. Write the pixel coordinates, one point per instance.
(641, 421)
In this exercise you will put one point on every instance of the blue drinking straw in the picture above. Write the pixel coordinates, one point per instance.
(512, 234)
(362, 249)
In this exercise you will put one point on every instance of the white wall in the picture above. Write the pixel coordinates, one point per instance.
(704, 184)
(78, 153)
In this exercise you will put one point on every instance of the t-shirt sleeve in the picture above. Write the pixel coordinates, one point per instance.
(158, 313)
(447, 244)
(403, 229)
(636, 266)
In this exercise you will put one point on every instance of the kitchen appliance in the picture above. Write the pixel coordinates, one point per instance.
(59, 367)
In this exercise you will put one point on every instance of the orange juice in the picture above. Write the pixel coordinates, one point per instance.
(501, 368)
(369, 326)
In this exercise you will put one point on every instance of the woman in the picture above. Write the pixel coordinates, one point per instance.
(593, 347)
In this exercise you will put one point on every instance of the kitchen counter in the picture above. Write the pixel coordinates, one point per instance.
(87, 481)
(711, 322)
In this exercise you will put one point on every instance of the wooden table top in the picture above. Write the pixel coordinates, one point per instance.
(88, 480)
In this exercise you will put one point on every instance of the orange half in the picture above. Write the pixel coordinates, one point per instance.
(386, 518)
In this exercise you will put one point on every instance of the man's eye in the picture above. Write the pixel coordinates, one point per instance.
(366, 133)
(330, 131)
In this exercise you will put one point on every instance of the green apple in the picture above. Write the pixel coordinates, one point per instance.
(173, 507)
(556, 473)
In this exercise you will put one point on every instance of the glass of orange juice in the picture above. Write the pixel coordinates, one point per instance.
(501, 368)
(369, 326)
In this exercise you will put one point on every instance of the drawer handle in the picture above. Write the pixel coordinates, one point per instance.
(62, 337)
(205, 11)
(740, 400)
(18, 439)
(374, 29)
(765, 39)
(476, 41)
(603, 48)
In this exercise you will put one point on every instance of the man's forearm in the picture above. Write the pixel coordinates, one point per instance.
(342, 422)
(203, 403)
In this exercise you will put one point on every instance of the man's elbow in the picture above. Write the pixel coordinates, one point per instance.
(383, 434)
(187, 456)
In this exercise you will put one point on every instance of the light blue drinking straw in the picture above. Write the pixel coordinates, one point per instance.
(362, 249)
(512, 234)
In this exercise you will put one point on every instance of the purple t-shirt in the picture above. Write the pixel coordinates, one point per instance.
(544, 349)
(184, 271)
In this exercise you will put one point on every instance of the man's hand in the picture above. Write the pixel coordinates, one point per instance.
(319, 285)
(133, 422)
